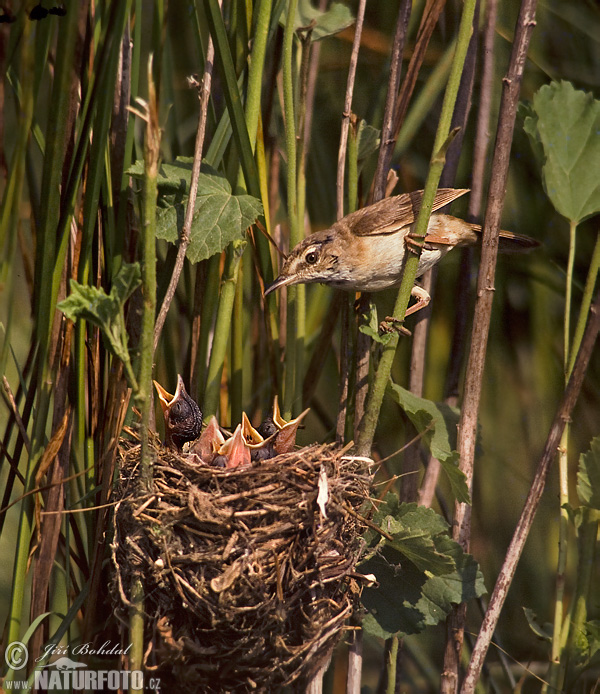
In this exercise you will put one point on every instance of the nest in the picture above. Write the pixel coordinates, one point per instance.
(247, 584)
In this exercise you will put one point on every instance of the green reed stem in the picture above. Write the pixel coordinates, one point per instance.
(442, 141)
(143, 397)
(292, 341)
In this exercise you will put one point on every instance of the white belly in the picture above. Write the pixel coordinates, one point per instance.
(382, 265)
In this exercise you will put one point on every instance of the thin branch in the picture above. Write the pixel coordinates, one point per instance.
(184, 242)
(463, 289)
(530, 507)
(344, 387)
(388, 134)
(482, 316)
(341, 165)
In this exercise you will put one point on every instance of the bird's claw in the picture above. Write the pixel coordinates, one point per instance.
(393, 325)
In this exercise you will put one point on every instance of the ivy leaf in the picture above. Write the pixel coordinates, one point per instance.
(104, 310)
(438, 424)
(588, 476)
(327, 23)
(219, 216)
(563, 124)
(409, 598)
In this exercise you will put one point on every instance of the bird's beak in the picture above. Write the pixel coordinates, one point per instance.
(277, 418)
(251, 436)
(165, 398)
(286, 436)
(236, 450)
(281, 281)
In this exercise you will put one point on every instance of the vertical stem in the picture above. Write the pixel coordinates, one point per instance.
(341, 165)
(143, 397)
(530, 507)
(588, 533)
(136, 630)
(442, 140)
(293, 293)
(483, 310)
(388, 135)
(391, 665)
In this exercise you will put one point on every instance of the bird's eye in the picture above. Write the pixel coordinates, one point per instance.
(311, 257)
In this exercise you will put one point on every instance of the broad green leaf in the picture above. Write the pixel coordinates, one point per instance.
(104, 310)
(588, 476)
(411, 515)
(413, 529)
(438, 424)
(407, 599)
(219, 216)
(327, 23)
(564, 126)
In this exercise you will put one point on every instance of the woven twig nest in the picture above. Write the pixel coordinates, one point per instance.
(247, 583)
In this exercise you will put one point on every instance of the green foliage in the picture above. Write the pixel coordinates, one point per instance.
(219, 216)
(421, 572)
(564, 127)
(588, 476)
(106, 311)
(369, 325)
(437, 422)
(324, 24)
(542, 631)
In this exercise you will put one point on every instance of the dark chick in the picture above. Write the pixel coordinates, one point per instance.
(183, 417)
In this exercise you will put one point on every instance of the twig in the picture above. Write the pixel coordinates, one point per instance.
(388, 135)
(344, 387)
(531, 503)
(418, 355)
(341, 165)
(483, 310)
(184, 241)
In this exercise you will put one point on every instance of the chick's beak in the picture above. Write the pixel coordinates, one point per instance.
(164, 397)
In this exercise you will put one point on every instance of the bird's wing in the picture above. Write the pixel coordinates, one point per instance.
(391, 214)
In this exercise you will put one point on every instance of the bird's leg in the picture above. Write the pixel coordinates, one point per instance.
(390, 323)
(422, 297)
(428, 243)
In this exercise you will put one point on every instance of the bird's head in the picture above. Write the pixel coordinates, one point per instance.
(183, 418)
(315, 259)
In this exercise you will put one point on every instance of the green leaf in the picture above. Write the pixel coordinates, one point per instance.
(407, 599)
(588, 476)
(105, 310)
(369, 325)
(564, 126)
(543, 631)
(219, 216)
(368, 142)
(327, 23)
(438, 423)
